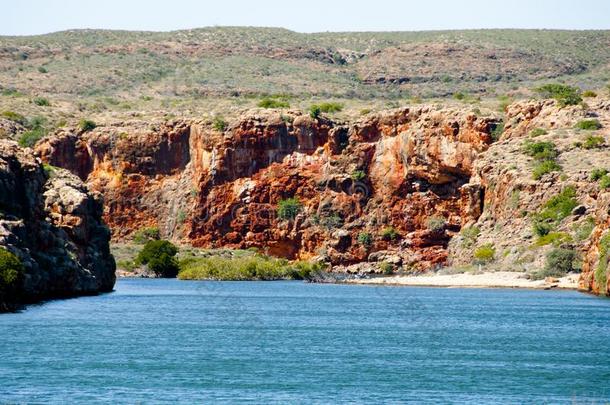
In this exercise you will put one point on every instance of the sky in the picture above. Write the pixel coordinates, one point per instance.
(29, 17)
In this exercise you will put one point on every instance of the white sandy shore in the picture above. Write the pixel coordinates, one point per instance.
(500, 279)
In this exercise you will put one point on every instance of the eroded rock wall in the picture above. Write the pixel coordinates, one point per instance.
(53, 224)
(389, 171)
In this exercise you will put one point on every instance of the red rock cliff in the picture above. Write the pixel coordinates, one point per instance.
(379, 180)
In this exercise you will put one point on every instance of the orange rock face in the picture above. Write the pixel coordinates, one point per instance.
(366, 190)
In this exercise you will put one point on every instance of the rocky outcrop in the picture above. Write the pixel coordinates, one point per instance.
(365, 187)
(52, 223)
(512, 197)
(398, 187)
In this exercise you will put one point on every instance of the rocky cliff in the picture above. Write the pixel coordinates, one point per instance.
(406, 187)
(366, 190)
(52, 224)
(514, 198)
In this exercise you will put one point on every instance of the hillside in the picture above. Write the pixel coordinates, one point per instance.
(255, 61)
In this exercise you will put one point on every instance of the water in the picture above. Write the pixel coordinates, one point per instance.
(290, 342)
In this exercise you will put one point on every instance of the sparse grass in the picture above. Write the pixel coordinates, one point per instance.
(555, 210)
(328, 107)
(470, 235)
(41, 101)
(389, 233)
(545, 167)
(588, 125)
(365, 239)
(554, 238)
(537, 132)
(254, 267)
(583, 230)
(289, 208)
(484, 253)
(436, 223)
(593, 142)
(545, 154)
(273, 103)
(15, 117)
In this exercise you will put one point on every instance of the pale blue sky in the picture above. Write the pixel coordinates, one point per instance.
(23, 17)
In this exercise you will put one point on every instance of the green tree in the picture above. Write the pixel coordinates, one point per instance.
(158, 255)
(11, 274)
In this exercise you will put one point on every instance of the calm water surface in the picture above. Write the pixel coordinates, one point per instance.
(288, 342)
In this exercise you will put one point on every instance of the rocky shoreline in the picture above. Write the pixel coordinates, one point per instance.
(52, 236)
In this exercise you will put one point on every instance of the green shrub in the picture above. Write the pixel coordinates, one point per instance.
(158, 255)
(542, 228)
(537, 132)
(365, 239)
(144, 235)
(459, 96)
(127, 265)
(555, 210)
(332, 221)
(86, 125)
(484, 253)
(387, 268)
(597, 174)
(497, 130)
(254, 267)
(604, 182)
(389, 233)
(273, 103)
(41, 101)
(15, 117)
(436, 223)
(540, 151)
(330, 107)
(589, 93)
(470, 235)
(219, 124)
(359, 175)
(601, 272)
(559, 262)
(588, 125)
(314, 111)
(29, 138)
(288, 208)
(545, 167)
(565, 95)
(584, 229)
(555, 238)
(593, 142)
(11, 274)
(42, 69)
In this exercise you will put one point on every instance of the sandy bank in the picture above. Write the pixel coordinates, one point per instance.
(501, 279)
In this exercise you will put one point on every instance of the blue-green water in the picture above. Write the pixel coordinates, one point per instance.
(290, 342)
